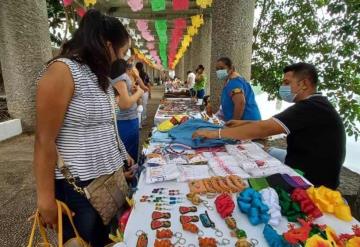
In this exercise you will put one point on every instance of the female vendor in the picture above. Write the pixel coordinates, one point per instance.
(237, 98)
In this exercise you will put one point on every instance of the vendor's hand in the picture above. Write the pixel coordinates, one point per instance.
(235, 123)
(207, 134)
(129, 175)
(48, 213)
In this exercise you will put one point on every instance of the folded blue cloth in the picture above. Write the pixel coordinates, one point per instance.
(183, 134)
(163, 137)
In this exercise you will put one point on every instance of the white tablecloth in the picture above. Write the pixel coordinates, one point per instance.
(140, 219)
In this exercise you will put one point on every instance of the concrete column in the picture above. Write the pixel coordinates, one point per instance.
(202, 50)
(24, 48)
(231, 37)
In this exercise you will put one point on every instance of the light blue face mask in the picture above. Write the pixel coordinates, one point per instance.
(286, 94)
(222, 74)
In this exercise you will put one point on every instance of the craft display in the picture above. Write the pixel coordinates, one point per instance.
(330, 201)
(208, 223)
(290, 209)
(306, 204)
(217, 184)
(271, 199)
(226, 165)
(250, 203)
(225, 207)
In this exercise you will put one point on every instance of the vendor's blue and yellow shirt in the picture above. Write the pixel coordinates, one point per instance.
(234, 86)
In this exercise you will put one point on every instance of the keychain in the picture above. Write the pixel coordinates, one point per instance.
(196, 200)
(142, 239)
(159, 215)
(165, 233)
(156, 224)
(190, 227)
(185, 210)
(208, 223)
(188, 219)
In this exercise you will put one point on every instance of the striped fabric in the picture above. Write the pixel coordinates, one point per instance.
(87, 140)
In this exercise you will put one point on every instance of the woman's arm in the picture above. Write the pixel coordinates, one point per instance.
(125, 100)
(54, 93)
(239, 105)
(249, 131)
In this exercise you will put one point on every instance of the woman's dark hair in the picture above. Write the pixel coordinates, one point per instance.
(227, 61)
(88, 44)
(139, 66)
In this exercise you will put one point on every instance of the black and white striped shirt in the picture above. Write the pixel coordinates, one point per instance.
(87, 139)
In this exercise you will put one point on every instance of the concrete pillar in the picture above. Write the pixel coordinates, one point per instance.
(202, 50)
(231, 37)
(24, 48)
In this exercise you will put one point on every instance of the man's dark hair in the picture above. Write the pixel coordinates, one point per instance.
(188, 72)
(201, 67)
(303, 70)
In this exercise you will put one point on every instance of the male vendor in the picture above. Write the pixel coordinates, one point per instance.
(315, 132)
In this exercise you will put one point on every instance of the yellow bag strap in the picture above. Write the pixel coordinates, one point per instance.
(63, 209)
(41, 229)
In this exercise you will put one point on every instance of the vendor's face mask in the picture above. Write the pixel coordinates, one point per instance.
(286, 94)
(222, 74)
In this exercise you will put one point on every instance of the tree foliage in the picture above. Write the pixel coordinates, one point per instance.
(325, 33)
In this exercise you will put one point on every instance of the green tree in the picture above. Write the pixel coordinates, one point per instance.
(325, 33)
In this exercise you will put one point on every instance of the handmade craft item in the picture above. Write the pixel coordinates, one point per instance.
(290, 209)
(163, 243)
(207, 242)
(273, 238)
(330, 201)
(185, 210)
(298, 235)
(164, 233)
(250, 203)
(217, 184)
(196, 200)
(188, 219)
(160, 215)
(306, 204)
(190, 227)
(156, 224)
(208, 223)
(142, 239)
(271, 199)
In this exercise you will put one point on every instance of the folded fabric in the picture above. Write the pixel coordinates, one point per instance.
(167, 125)
(271, 199)
(290, 209)
(301, 182)
(226, 165)
(306, 204)
(273, 238)
(250, 202)
(276, 180)
(330, 201)
(183, 134)
(162, 137)
(258, 183)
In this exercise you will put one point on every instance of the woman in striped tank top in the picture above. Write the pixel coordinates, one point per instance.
(74, 116)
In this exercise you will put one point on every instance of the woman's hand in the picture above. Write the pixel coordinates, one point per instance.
(130, 160)
(207, 134)
(129, 175)
(48, 213)
(236, 123)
